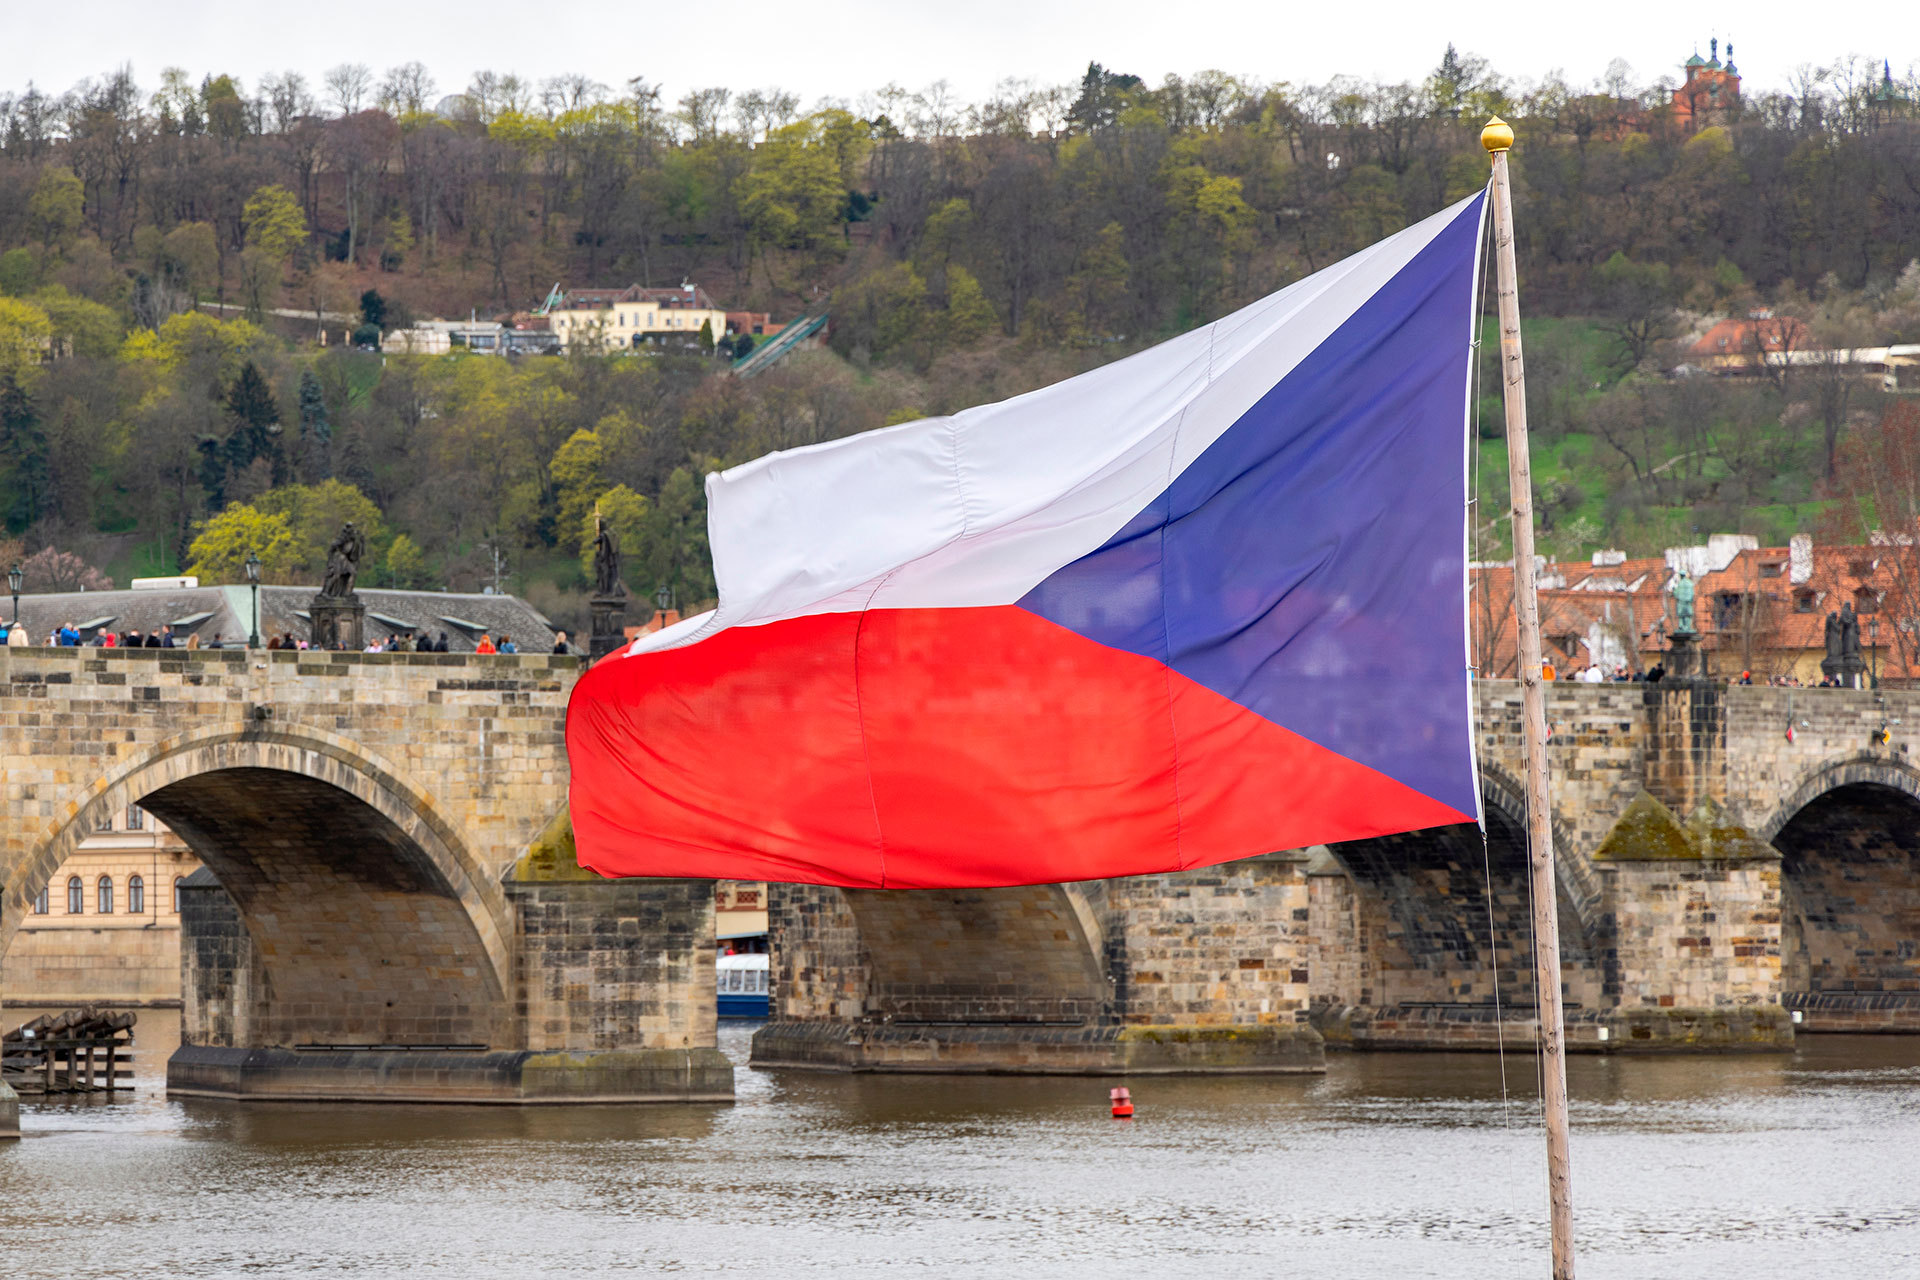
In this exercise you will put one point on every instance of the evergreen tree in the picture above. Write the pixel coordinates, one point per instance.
(316, 434)
(373, 309)
(256, 422)
(23, 444)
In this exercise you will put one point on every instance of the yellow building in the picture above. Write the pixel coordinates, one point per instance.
(616, 319)
(106, 929)
(740, 914)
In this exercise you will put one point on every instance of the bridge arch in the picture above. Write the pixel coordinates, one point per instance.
(1447, 919)
(1831, 775)
(1032, 953)
(1849, 842)
(371, 921)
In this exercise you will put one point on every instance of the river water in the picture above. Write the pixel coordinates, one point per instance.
(1401, 1166)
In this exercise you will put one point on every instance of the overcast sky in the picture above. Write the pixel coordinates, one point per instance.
(842, 49)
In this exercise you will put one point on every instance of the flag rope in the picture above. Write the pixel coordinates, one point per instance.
(1486, 853)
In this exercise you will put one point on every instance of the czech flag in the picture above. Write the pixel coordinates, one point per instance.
(1204, 603)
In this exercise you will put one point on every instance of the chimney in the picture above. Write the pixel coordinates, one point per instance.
(1800, 559)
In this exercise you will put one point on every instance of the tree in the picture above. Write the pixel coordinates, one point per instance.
(275, 225)
(23, 447)
(373, 309)
(350, 83)
(78, 327)
(50, 569)
(275, 229)
(1636, 300)
(314, 514)
(55, 208)
(220, 549)
(706, 336)
(315, 449)
(26, 336)
(406, 565)
(256, 422)
(578, 479)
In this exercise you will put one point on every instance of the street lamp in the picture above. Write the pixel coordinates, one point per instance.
(663, 597)
(1873, 650)
(253, 580)
(14, 577)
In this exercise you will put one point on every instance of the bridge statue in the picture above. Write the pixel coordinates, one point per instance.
(606, 559)
(607, 607)
(1851, 663)
(337, 619)
(343, 561)
(1683, 601)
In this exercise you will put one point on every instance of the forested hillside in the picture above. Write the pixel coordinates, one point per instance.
(157, 414)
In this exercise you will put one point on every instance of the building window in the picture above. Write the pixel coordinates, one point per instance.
(76, 896)
(1859, 568)
(105, 905)
(136, 896)
(136, 818)
(1771, 569)
(40, 904)
(1803, 602)
(1865, 601)
(176, 895)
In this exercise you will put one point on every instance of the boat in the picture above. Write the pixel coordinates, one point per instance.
(741, 982)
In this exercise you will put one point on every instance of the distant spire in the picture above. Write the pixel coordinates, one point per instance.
(1713, 49)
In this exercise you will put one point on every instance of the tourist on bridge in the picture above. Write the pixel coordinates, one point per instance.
(507, 645)
(485, 645)
(17, 637)
(559, 642)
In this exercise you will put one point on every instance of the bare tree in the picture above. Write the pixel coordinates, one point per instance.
(407, 89)
(350, 84)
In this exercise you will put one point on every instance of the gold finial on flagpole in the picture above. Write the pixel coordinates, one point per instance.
(1497, 136)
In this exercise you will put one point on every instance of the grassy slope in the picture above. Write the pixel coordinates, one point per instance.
(1592, 466)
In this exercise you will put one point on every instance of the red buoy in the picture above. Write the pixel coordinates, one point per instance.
(1122, 1104)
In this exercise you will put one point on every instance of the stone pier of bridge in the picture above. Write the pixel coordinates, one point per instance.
(391, 907)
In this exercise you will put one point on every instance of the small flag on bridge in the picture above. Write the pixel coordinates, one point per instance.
(1204, 603)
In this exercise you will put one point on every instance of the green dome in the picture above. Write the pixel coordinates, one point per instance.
(1696, 61)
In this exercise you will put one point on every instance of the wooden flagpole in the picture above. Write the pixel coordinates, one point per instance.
(1497, 138)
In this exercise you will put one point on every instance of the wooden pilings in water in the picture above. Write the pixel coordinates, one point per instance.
(76, 1051)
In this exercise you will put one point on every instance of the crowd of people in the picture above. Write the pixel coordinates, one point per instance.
(16, 635)
(68, 636)
(1597, 674)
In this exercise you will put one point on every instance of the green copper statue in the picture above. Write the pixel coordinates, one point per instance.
(1683, 601)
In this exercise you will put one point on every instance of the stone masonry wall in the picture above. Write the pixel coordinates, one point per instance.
(1223, 946)
(220, 979)
(475, 743)
(820, 967)
(1698, 934)
(616, 964)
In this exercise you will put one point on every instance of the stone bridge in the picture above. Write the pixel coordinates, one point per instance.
(392, 908)
(1722, 882)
